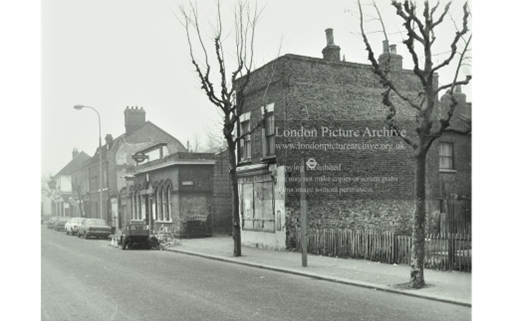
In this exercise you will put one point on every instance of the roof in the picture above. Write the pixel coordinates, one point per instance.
(182, 158)
(134, 138)
(74, 165)
(150, 147)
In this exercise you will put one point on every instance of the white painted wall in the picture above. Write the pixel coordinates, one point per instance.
(64, 183)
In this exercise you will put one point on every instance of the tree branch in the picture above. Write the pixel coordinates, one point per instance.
(391, 118)
(206, 84)
(408, 17)
(442, 16)
(455, 83)
(454, 44)
(377, 69)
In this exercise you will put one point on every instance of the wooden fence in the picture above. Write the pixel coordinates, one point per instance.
(450, 216)
(442, 251)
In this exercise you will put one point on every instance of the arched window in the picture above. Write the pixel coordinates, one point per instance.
(135, 205)
(158, 201)
(138, 207)
(168, 209)
(132, 212)
(142, 207)
(162, 206)
(164, 202)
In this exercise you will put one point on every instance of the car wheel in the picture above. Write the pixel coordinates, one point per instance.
(78, 234)
(67, 232)
(124, 245)
(86, 236)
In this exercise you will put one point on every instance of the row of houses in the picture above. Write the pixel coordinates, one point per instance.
(325, 110)
(147, 174)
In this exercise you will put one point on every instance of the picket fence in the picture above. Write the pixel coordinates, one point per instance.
(442, 251)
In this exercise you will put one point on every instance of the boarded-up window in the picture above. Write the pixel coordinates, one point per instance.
(247, 206)
(258, 208)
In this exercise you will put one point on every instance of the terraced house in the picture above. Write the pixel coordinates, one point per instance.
(116, 160)
(361, 175)
(64, 202)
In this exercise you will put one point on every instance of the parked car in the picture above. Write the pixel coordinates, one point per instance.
(71, 225)
(94, 227)
(60, 223)
(51, 222)
(135, 233)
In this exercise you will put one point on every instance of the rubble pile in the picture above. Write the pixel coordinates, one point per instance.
(166, 240)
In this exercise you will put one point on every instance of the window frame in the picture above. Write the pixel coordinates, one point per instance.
(268, 111)
(245, 145)
(451, 156)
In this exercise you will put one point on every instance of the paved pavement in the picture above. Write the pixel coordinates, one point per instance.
(451, 287)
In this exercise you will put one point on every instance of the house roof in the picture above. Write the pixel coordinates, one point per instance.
(150, 147)
(74, 165)
(134, 137)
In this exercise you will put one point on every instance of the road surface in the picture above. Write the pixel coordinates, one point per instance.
(90, 280)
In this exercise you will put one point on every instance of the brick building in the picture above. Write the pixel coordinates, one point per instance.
(64, 202)
(169, 192)
(116, 161)
(330, 113)
(222, 195)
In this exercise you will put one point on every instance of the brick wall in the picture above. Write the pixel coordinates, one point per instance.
(221, 197)
(187, 200)
(371, 188)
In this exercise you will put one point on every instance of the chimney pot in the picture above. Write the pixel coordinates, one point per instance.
(329, 37)
(385, 46)
(393, 49)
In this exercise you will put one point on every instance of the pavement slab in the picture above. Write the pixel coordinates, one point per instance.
(445, 286)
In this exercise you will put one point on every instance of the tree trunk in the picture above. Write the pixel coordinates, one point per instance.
(418, 234)
(235, 201)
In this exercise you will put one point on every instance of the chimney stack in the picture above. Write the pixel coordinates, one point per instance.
(74, 153)
(109, 140)
(135, 118)
(331, 52)
(389, 59)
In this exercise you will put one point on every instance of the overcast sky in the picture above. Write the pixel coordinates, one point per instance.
(117, 53)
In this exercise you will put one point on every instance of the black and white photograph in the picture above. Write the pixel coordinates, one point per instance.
(256, 160)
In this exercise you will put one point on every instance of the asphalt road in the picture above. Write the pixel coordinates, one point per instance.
(90, 280)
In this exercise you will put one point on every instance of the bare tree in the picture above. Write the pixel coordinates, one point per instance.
(78, 191)
(46, 189)
(215, 141)
(220, 87)
(420, 36)
(196, 145)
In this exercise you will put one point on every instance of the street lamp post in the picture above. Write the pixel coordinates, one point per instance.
(100, 177)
